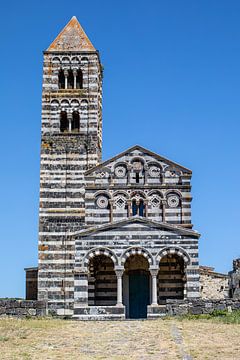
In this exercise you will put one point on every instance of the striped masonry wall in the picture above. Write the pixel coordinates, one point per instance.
(102, 282)
(78, 195)
(64, 159)
(171, 278)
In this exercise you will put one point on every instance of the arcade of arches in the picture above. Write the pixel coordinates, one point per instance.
(136, 285)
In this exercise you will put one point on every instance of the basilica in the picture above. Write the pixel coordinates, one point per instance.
(115, 237)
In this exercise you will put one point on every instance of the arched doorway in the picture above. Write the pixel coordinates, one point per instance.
(171, 278)
(102, 282)
(136, 286)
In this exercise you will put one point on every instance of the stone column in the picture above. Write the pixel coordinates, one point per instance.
(69, 116)
(137, 203)
(66, 78)
(74, 78)
(154, 271)
(145, 174)
(162, 180)
(111, 211)
(119, 273)
(128, 174)
(164, 210)
(146, 207)
(129, 204)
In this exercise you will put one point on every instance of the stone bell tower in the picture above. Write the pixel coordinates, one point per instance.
(71, 143)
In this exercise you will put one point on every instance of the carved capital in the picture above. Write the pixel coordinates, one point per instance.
(154, 270)
(119, 270)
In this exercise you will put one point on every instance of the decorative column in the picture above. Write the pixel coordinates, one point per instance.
(119, 273)
(128, 174)
(111, 211)
(145, 174)
(66, 78)
(129, 204)
(162, 179)
(137, 203)
(154, 271)
(164, 210)
(74, 78)
(69, 116)
(146, 207)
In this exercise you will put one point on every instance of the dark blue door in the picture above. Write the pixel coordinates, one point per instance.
(138, 295)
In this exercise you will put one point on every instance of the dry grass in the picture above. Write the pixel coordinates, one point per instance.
(137, 340)
(210, 340)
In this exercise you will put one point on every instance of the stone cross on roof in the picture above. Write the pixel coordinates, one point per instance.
(72, 38)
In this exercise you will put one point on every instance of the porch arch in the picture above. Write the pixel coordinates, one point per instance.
(99, 251)
(136, 251)
(173, 251)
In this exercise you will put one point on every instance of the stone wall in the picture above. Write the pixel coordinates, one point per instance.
(192, 307)
(213, 285)
(195, 307)
(22, 308)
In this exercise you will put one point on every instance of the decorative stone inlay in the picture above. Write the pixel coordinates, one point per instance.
(120, 202)
(102, 202)
(120, 171)
(155, 201)
(154, 171)
(101, 175)
(171, 173)
(173, 201)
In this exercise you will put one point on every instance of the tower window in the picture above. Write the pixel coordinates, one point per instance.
(70, 79)
(75, 121)
(79, 80)
(61, 80)
(64, 125)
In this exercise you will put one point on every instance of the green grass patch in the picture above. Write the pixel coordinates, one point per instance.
(217, 315)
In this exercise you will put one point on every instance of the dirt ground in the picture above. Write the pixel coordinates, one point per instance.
(118, 340)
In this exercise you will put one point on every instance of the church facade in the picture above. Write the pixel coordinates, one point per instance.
(115, 237)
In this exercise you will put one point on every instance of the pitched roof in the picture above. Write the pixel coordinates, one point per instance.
(144, 221)
(137, 147)
(72, 38)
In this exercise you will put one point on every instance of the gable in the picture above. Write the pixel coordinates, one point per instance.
(131, 155)
(136, 226)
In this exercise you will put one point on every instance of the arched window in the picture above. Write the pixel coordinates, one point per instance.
(70, 79)
(138, 208)
(79, 80)
(75, 121)
(61, 80)
(63, 122)
(141, 208)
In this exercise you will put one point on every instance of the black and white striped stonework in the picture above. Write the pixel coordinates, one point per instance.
(100, 221)
(65, 156)
(157, 183)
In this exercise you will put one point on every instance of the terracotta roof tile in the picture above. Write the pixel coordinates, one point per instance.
(72, 38)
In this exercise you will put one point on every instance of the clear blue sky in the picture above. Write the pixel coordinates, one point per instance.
(171, 84)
